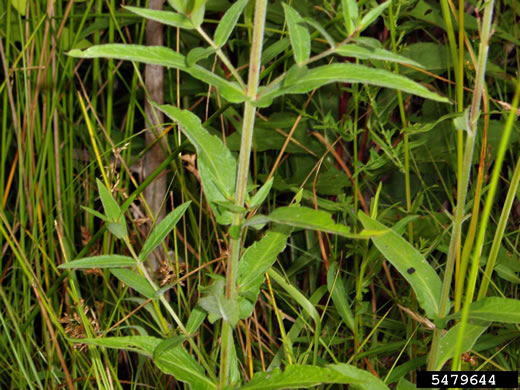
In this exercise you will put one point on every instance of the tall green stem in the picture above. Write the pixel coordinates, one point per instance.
(463, 184)
(241, 183)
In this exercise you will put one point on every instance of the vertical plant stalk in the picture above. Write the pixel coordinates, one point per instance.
(154, 82)
(460, 103)
(241, 183)
(499, 234)
(462, 189)
(404, 122)
(472, 279)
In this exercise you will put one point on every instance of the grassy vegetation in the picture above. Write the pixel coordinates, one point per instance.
(443, 177)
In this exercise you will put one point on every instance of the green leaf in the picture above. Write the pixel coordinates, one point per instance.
(144, 345)
(218, 306)
(373, 14)
(220, 162)
(178, 5)
(261, 194)
(135, 281)
(257, 259)
(294, 74)
(304, 303)
(432, 56)
(215, 195)
(228, 22)
(366, 52)
(20, 6)
(345, 73)
(176, 361)
(197, 317)
(160, 231)
(307, 376)
(462, 122)
(403, 384)
(167, 344)
(183, 367)
(321, 30)
(227, 205)
(103, 261)
(350, 14)
(307, 218)
(197, 4)
(217, 166)
(296, 329)
(95, 213)
(336, 287)
(410, 264)
(230, 91)
(494, 309)
(298, 35)
(118, 229)
(198, 53)
(165, 17)
(448, 342)
(112, 210)
(155, 55)
(196, 14)
(246, 307)
(275, 49)
(159, 55)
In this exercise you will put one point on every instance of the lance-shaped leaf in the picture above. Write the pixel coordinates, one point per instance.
(307, 376)
(496, 309)
(217, 158)
(103, 261)
(448, 343)
(176, 361)
(345, 73)
(350, 14)
(196, 11)
(338, 294)
(115, 219)
(298, 35)
(261, 194)
(366, 52)
(135, 281)
(275, 49)
(217, 167)
(195, 320)
(178, 5)
(321, 30)
(154, 55)
(373, 14)
(354, 73)
(306, 218)
(228, 22)
(165, 17)
(256, 260)
(167, 344)
(164, 56)
(197, 54)
(160, 231)
(215, 194)
(410, 263)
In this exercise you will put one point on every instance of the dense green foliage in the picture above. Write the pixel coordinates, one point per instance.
(366, 117)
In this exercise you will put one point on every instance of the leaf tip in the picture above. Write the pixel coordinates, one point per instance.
(75, 53)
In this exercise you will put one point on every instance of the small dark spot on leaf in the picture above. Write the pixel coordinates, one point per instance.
(411, 270)
(428, 11)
